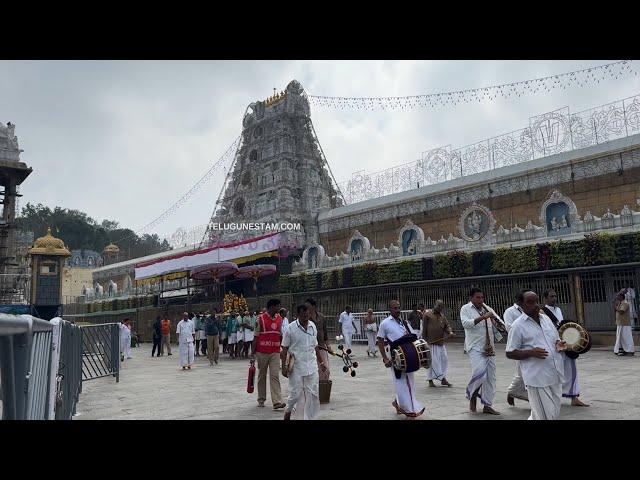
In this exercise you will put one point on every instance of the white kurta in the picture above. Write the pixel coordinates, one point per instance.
(390, 330)
(371, 330)
(439, 362)
(304, 388)
(125, 341)
(624, 339)
(483, 368)
(248, 334)
(542, 376)
(185, 331)
(348, 328)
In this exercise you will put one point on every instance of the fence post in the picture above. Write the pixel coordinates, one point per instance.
(578, 306)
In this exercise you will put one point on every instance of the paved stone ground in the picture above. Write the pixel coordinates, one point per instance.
(155, 388)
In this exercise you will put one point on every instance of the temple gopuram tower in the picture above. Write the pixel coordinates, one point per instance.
(279, 172)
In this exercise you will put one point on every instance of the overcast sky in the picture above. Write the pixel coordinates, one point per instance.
(123, 140)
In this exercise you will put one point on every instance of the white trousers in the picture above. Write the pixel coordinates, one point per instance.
(406, 393)
(624, 339)
(545, 402)
(347, 339)
(483, 376)
(125, 346)
(187, 352)
(304, 395)
(439, 363)
(517, 388)
(371, 341)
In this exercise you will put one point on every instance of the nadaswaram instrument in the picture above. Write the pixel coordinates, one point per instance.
(575, 336)
(497, 321)
(411, 356)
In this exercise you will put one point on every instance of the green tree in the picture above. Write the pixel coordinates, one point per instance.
(80, 231)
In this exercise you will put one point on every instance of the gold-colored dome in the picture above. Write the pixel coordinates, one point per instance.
(49, 245)
(111, 248)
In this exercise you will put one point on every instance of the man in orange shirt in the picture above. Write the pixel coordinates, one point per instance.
(165, 325)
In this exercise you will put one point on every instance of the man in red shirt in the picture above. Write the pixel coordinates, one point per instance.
(268, 336)
(165, 326)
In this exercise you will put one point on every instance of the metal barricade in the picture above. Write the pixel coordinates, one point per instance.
(68, 379)
(100, 351)
(358, 318)
(25, 366)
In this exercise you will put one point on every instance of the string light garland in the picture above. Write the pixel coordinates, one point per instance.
(516, 89)
(230, 152)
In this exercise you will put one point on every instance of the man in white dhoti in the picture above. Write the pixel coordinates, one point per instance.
(480, 335)
(347, 326)
(125, 339)
(301, 342)
(392, 330)
(534, 342)
(435, 328)
(624, 336)
(371, 329)
(186, 336)
(571, 386)
(517, 388)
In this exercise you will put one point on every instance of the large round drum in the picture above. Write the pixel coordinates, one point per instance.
(411, 356)
(575, 336)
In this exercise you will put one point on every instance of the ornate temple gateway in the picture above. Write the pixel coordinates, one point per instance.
(279, 174)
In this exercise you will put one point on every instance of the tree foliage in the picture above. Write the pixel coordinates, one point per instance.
(80, 231)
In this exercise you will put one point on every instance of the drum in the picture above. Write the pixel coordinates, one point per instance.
(575, 336)
(411, 356)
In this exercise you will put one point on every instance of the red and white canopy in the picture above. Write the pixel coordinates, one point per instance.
(243, 250)
(213, 270)
(255, 271)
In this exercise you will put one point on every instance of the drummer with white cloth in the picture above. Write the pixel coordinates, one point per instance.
(186, 336)
(571, 386)
(391, 329)
(347, 326)
(300, 339)
(535, 343)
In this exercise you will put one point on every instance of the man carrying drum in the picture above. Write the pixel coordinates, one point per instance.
(394, 330)
(571, 386)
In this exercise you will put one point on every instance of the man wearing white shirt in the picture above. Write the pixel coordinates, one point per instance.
(186, 336)
(517, 388)
(571, 386)
(534, 342)
(391, 330)
(480, 335)
(301, 341)
(348, 326)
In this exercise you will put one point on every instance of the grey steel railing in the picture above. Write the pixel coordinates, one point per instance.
(547, 134)
(68, 380)
(100, 351)
(25, 366)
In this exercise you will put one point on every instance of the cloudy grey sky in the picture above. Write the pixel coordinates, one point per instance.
(124, 139)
